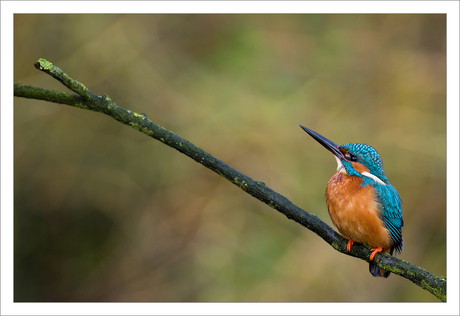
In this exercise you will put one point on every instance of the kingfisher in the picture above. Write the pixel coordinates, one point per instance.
(361, 202)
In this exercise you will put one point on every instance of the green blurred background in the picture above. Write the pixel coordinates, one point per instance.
(105, 213)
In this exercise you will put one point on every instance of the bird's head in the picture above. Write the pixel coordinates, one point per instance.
(354, 159)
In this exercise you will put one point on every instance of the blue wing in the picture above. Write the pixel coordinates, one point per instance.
(391, 215)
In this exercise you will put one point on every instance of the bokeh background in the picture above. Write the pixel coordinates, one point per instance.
(105, 213)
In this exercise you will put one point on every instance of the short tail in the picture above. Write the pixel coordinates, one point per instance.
(376, 271)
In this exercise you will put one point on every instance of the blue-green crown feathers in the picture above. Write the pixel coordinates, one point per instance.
(367, 156)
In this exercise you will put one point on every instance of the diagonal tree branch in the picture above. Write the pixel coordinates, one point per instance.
(85, 99)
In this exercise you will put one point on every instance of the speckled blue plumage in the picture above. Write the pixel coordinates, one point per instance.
(369, 157)
(390, 204)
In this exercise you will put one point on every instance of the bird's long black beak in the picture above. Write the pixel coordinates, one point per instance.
(331, 146)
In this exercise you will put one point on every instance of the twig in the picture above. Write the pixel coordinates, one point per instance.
(86, 100)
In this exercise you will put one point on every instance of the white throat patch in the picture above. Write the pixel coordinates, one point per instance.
(340, 166)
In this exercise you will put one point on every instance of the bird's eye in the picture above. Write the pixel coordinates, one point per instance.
(351, 157)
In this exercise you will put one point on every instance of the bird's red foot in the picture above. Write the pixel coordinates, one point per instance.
(374, 251)
(349, 244)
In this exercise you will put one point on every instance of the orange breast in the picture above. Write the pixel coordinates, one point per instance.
(354, 211)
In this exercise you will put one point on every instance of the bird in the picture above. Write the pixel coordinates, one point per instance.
(361, 202)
